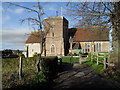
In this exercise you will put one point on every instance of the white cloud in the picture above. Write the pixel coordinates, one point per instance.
(18, 10)
(15, 35)
(50, 7)
(15, 11)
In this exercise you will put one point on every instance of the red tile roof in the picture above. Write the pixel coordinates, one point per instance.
(33, 38)
(94, 33)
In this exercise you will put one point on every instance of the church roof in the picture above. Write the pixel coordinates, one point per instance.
(94, 33)
(34, 37)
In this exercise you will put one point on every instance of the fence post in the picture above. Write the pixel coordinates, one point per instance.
(104, 62)
(97, 58)
(20, 68)
(80, 61)
(91, 57)
(108, 60)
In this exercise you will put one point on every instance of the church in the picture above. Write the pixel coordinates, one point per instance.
(61, 40)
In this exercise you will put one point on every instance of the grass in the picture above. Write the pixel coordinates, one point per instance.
(70, 59)
(12, 65)
(98, 68)
(10, 68)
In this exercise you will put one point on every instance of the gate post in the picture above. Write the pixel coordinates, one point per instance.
(20, 68)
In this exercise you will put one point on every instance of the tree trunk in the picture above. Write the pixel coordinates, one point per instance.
(116, 35)
(38, 64)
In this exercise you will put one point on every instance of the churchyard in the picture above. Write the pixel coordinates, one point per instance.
(31, 79)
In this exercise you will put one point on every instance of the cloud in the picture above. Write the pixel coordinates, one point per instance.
(14, 11)
(5, 18)
(50, 7)
(15, 35)
(18, 10)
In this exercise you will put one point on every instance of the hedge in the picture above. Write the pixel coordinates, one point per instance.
(49, 65)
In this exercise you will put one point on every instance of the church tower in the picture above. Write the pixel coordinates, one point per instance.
(57, 36)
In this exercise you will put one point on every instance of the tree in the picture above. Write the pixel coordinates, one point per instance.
(97, 14)
(36, 22)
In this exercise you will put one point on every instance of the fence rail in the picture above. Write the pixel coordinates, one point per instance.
(99, 58)
(99, 55)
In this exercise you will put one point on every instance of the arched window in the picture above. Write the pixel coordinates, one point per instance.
(52, 49)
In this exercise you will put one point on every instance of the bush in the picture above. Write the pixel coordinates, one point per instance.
(39, 78)
(49, 66)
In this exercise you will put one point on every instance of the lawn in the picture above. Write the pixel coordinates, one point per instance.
(98, 68)
(70, 59)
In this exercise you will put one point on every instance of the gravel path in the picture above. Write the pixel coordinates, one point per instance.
(81, 76)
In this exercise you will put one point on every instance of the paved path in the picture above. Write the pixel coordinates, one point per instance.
(81, 76)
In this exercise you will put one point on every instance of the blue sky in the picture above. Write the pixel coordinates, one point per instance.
(14, 34)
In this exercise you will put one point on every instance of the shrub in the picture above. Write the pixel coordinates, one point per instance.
(39, 78)
(35, 54)
(49, 66)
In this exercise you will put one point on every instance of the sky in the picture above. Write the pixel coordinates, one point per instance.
(14, 34)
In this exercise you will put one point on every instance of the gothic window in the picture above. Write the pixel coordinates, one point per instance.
(52, 49)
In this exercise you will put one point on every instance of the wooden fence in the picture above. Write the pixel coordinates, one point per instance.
(99, 58)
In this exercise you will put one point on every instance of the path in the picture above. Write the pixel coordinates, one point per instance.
(81, 76)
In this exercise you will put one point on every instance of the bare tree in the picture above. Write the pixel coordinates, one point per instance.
(97, 14)
(39, 23)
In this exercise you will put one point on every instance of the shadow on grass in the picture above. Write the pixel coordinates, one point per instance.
(37, 86)
(65, 67)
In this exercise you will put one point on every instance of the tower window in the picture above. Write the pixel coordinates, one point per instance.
(52, 34)
(52, 49)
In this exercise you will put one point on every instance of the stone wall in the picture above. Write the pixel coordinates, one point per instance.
(57, 36)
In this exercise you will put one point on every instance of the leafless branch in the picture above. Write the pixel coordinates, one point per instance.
(22, 7)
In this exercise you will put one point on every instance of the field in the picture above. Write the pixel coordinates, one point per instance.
(10, 68)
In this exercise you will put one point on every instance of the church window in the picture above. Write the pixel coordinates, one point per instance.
(87, 47)
(52, 34)
(52, 49)
(98, 47)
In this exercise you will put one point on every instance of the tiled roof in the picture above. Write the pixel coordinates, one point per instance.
(33, 38)
(94, 33)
